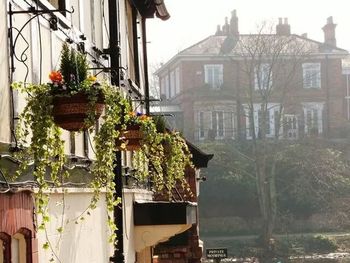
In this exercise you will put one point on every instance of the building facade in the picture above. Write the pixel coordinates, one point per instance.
(112, 34)
(232, 85)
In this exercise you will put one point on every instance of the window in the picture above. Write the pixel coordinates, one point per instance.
(55, 3)
(172, 84)
(177, 80)
(291, 126)
(312, 75)
(201, 131)
(263, 77)
(162, 87)
(269, 120)
(167, 87)
(231, 124)
(18, 249)
(15, 249)
(217, 124)
(313, 118)
(213, 75)
(58, 4)
(5, 242)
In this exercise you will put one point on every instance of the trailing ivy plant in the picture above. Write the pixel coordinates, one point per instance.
(42, 144)
(164, 154)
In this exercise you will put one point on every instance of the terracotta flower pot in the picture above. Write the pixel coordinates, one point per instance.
(132, 137)
(70, 113)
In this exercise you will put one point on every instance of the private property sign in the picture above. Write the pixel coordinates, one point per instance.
(216, 253)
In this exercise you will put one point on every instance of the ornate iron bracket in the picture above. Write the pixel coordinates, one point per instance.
(13, 40)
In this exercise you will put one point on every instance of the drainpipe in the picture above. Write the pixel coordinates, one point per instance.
(114, 52)
(327, 99)
(347, 96)
(145, 61)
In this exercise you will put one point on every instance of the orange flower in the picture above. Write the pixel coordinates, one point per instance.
(132, 114)
(144, 117)
(55, 76)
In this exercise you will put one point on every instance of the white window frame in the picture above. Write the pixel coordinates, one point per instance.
(177, 80)
(272, 108)
(313, 107)
(311, 75)
(217, 121)
(263, 74)
(232, 115)
(166, 87)
(172, 88)
(18, 249)
(214, 75)
(201, 125)
(162, 86)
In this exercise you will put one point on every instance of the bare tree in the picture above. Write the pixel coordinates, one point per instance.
(269, 74)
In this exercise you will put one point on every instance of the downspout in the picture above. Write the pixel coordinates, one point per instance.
(239, 130)
(327, 100)
(347, 96)
(114, 52)
(145, 61)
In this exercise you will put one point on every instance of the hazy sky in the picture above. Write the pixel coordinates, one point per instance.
(193, 20)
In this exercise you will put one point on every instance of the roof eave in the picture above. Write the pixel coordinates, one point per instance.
(149, 8)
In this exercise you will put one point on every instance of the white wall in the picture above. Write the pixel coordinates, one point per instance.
(4, 84)
(85, 241)
(131, 195)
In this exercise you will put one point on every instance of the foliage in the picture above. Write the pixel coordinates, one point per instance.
(163, 156)
(159, 121)
(176, 157)
(320, 244)
(310, 175)
(46, 148)
(232, 173)
(73, 67)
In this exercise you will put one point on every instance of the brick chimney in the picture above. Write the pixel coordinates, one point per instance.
(218, 31)
(234, 24)
(329, 32)
(283, 28)
(226, 27)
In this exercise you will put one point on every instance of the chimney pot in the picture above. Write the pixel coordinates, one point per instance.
(330, 20)
(218, 31)
(283, 29)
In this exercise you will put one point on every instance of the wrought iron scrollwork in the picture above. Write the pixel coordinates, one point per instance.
(13, 41)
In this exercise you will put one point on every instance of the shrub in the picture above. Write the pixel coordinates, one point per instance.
(320, 244)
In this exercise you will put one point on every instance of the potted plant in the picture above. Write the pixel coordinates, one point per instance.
(77, 98)
(163, 156)
(134, 127)
(39, 137)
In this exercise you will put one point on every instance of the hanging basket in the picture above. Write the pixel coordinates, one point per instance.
(131, 136)
(70, 113)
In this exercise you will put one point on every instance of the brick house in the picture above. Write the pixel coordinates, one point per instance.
(230, 85)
